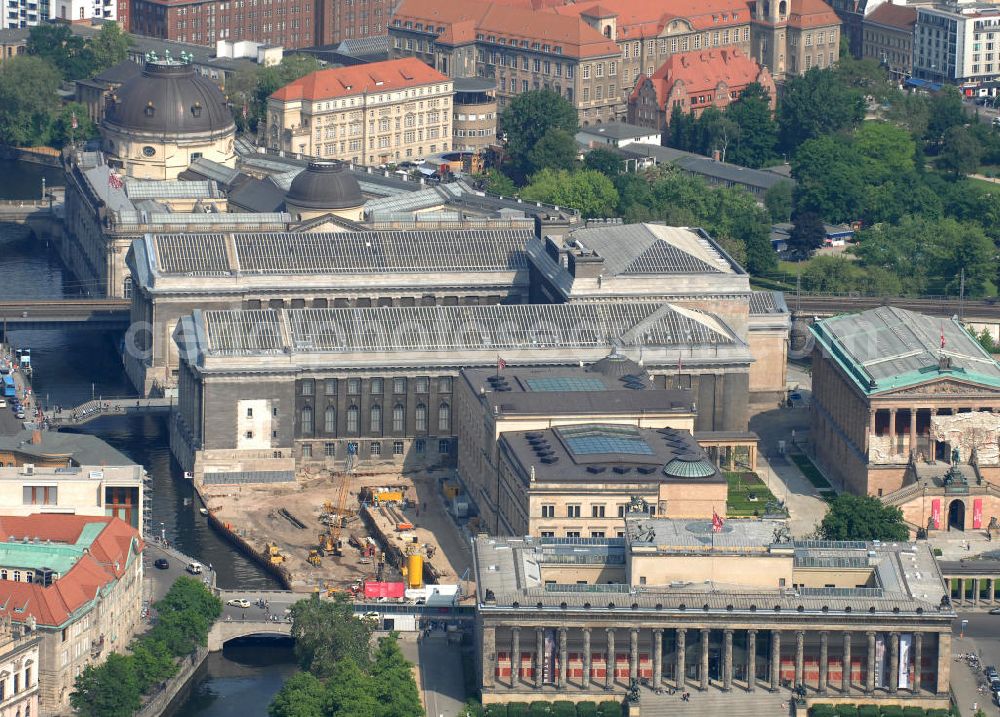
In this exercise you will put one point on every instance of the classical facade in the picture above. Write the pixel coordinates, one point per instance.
(888, 38)
(517, 48)
(685, 606)
(694, 81)
(378, 113)
(376, 383)
(792, 36)
(75, 582)
(907, 401)
(19, 658)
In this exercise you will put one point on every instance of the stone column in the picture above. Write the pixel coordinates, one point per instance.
(961, 584)
(703, 676)
(515, 656)
(824, 658)
(918, 658)
(775, 660)
(892, 431)
(893, 662)
(751, 660)
(633, 654)
(657, 658)
(489, 655)
(871, 431)
(845, 679)
(727, 660)
(944, 663)
(993, 590)
(539, 656)
(681, 656)
(913, 434)
(870, 672)
(609, 680)
(975, 591)
(586, 658)
(563, 658)
(800, 655)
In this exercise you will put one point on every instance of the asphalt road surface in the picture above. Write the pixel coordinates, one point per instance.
(982, 636)
(440, 668)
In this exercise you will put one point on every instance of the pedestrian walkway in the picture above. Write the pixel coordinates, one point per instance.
(736, 703)
(97, 408)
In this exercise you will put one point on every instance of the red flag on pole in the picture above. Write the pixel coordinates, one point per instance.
(114, 181)
(942, 335)
(73, 122)
(246, 110)
(717, 522)
(501, 364)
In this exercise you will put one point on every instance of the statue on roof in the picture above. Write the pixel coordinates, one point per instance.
(637, 504)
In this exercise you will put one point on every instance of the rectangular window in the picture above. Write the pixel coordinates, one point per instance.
(572, 533)
(376, 386)
(420, 445)
(307, 387)
(376, 448)
(547, 533)
(330, 387)
(596, 533)
(307, 450)
(572, 511)
(444, 446)
(249, 413)
(586, 72)
(600, 69)
(398, 385)
(444, 384)
(423, 384)
(397, 448)
(548, 511)
(40, 495)
(354, 387)
(597, 511)
(329, 449)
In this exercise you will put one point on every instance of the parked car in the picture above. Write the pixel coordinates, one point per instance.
(238, 602)
(995, 611)
(990, 673)
(194, 568)
(161, 563)
(20, 414)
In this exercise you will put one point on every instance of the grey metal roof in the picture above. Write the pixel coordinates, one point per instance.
(767, 302)
(618, 130)
(465, 328)
(138, 189)
(214, 170)
(281, 253)
(258, 195)
(706, 166)
(634, 249)
(888, 348)
(364, 46)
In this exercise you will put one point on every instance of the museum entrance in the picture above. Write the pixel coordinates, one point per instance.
(956, 515)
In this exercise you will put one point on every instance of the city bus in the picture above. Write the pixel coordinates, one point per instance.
(9, 389)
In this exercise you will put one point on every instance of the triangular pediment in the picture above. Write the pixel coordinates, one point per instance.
(943, 387)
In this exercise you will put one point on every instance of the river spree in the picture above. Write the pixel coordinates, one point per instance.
(71, 366)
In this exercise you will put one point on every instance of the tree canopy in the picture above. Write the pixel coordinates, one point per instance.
(817, 104)
(73, 56)
(326, 631)
(527, 119)
(862, 517)
(591, 192)
(28, 100)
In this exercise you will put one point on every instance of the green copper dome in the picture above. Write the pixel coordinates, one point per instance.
(689, 465)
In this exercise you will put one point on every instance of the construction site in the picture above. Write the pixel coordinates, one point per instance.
(336, 531)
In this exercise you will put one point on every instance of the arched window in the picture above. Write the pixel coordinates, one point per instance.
(376, 419)
(330, 420)
(398, 418)
(17, 576)
(306, 420)
(353, 420)
(607, 31)
(3, 574)
(444, 418)
(421, 418)
(127, 287)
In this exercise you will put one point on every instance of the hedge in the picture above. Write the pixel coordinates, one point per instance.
(825, 710)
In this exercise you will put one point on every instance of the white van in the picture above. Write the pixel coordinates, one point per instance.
(194, 568)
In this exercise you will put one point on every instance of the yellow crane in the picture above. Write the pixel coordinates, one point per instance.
(339, 513)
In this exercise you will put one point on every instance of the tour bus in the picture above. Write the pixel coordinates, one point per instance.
(9, 389)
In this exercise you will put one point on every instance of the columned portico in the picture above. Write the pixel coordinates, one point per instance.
(893, 662)
(633, 661)
(824, 658)
(539, 656)
(610, 663)
(703, 670)
(727, 660)
(918, 660)
(751, 660)
(515, 656)
(800, 638)
(775, 660)
(845, 676)
(585, 680)
(870, 672)
(657, 658)
(679, 680)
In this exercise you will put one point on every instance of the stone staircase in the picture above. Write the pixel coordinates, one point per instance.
(737, 703)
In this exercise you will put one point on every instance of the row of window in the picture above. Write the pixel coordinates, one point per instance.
(577, 534)
(374, 448)
(576, 510)
(17, 576)
(376, 386)
(307, 419)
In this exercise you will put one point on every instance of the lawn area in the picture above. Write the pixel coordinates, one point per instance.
(984, 185)
(811, 472)
(743, 486)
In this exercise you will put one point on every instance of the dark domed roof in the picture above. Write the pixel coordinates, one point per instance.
(325, 185)
(170, 97)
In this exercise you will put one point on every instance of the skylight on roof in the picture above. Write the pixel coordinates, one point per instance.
(595, 438)
(564, 383)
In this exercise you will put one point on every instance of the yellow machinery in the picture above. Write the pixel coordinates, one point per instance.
(326, 544)
(274, 555)
(313, 558)
(415, 571)
(338, 510)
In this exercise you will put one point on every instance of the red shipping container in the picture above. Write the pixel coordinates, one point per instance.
(384, 590)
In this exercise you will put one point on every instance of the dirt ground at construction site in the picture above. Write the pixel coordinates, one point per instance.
(263, 515)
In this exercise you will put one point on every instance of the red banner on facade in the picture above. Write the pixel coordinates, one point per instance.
(936, 513)
(384, 590)
(977, 513)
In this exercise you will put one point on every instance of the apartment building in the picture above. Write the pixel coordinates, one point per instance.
(888, 38)
(957, 43)
(518, 48)
(290, 23)
(366, 114)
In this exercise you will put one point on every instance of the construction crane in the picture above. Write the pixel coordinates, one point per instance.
(339, 514)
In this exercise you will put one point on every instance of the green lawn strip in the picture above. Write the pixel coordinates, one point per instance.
(810, 471)
(741, 487)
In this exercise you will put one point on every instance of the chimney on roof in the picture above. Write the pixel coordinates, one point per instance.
(36, 437)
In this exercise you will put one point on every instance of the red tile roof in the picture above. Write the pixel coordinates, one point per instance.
(104, 562)
(511, 22)
(811, 13)
(702, 71)
(899, 16)
(640, 18)
(354, 80)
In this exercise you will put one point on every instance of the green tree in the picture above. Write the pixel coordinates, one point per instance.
(527, 119)
(806, 236)
(716, 132)
(108, 690)
(681, 130)
(945, 110)
(885, 150)
(555, 150)
(862, 517)
(605, 161)
(350, 692)
(833, 274)
(587, 191)
(302, 695)
(816, 104)
(28, 99)
(61, 131)
(960, 152)
(109, 46)
(757, 132)
(985, 339)
(496, 182)
(395, 688)
(326, 631)
(67, 52)
(830, 181)
(778, 201)
(152, 662)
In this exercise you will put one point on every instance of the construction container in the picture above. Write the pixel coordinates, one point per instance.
(415, 571)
